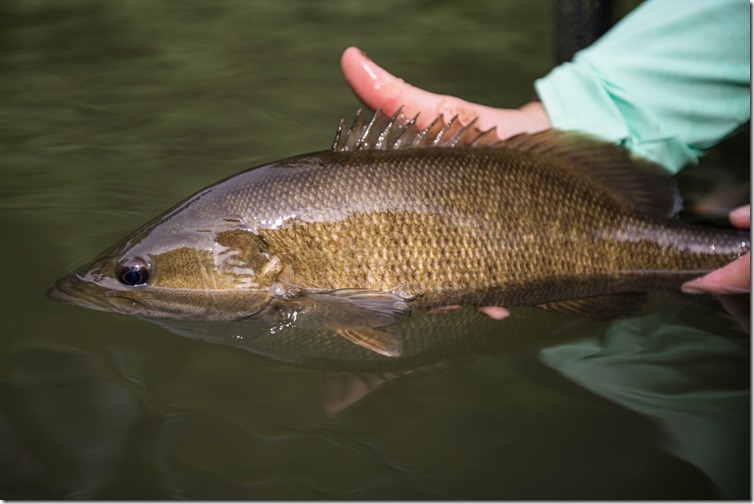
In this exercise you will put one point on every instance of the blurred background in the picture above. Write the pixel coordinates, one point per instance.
(113, 111)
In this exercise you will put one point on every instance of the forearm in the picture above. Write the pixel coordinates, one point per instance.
(669, 81)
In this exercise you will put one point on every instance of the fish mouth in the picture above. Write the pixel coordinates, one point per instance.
(74, 291)
(55, 293)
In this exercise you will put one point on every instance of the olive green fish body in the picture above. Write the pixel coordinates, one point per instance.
(395, 220)
(465, 226)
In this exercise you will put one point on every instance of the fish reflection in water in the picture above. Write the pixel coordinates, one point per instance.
(494, 423)
(423, 341)
(351, 372)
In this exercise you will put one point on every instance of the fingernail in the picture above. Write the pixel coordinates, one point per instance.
(691, 290)
(740, 213)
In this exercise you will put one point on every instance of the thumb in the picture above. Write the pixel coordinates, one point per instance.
(378, 88)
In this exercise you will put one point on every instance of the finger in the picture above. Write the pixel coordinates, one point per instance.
(731, 279)
(495, 312)
(741, 217)
(378, 88)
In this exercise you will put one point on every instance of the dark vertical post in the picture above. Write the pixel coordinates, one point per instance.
(578, 23)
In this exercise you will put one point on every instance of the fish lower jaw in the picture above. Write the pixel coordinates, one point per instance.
(110, 302)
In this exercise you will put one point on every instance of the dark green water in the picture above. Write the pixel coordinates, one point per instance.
(113, 111)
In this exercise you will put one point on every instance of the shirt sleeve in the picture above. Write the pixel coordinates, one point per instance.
(668, 81)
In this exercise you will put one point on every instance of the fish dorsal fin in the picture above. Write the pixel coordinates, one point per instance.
(384, 132)
(633, 183)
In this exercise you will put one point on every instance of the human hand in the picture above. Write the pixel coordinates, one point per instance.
(733, 278)
(377, 88)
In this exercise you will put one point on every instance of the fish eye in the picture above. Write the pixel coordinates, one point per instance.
(133, 272)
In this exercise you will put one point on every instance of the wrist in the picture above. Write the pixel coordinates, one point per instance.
(536, 111)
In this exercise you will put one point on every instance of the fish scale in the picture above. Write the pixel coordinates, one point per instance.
(394, 220)
(426, 233)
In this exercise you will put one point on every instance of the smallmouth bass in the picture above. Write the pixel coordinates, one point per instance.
(393, 220)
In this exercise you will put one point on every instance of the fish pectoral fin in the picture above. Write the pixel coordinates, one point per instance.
(382, 340)
(380, 303)
(610, 307)
(356, 308)
(362, 316)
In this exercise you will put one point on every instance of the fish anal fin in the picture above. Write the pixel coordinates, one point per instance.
(382, 340)
(610, 307)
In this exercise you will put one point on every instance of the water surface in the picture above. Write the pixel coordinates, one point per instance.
(113, 111)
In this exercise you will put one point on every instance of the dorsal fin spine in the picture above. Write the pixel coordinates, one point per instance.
(479, 140)
(405, 132)
(445, 128)
(365, 132)
(397, 132)
(454, 141)
(339, 135)
(391, 126)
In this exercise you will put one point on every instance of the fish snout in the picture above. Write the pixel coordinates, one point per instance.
(74, 291)
(54, 293)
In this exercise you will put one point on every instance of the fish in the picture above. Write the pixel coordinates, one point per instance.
(358, 242)
(426, 339)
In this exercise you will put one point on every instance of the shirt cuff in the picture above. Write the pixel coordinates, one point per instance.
(577, 98)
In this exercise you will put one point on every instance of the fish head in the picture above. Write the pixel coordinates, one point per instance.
(177, 269)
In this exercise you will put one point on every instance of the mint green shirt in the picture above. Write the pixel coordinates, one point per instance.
(668, 81)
